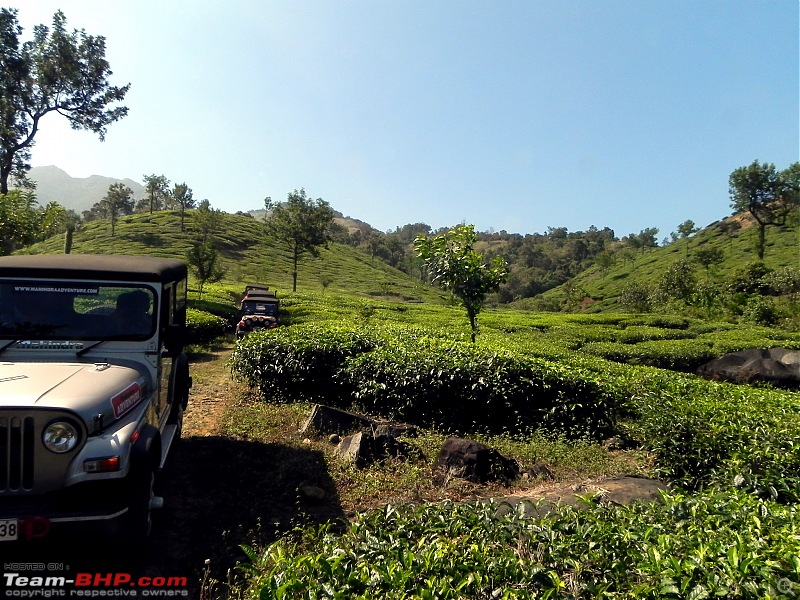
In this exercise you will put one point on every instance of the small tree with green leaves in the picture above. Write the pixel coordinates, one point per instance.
(156, 194)
(709, 257)
(117, 202)
(207, 221)
(636, 297)
(203, 260)
(182, 199)
(301, 223)
(677, 283)
(18, 220)
(452, 262)
(686, 230)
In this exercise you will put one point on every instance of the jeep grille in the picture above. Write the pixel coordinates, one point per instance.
(16, 453)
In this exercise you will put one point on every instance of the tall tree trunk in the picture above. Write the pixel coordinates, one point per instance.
(294, 268)
(473, 326)
(5, 173)
(68, 240)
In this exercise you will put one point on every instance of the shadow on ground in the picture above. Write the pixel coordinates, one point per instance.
(219, 493)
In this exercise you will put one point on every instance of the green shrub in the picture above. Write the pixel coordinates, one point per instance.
(462, 387)
(224, 310)
(704, 432)
(203, 327)
(721, 544)
(679, 355)
(660, 321)
(299, 362)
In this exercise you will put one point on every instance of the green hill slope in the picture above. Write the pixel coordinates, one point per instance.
(602, 288)
(247, 256)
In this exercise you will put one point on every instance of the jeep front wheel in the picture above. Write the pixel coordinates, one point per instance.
(141, 490)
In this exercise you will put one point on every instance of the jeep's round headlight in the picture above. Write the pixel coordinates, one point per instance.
(60, 437)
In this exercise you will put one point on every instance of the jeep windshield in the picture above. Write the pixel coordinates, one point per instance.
(62, 310)
(253, 307)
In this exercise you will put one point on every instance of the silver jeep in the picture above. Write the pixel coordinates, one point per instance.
(93, 386)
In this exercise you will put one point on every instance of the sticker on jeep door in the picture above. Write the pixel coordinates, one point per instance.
(126, 399)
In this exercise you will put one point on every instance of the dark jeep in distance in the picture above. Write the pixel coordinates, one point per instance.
(258, 309)
(93, 387)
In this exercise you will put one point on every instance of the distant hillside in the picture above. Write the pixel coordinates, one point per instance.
(602, 288)
(247, 256)
(76, 193)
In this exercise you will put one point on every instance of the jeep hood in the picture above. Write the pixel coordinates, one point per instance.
(86, 389)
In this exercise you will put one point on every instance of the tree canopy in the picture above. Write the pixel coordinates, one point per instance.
(301, 224)
(769, 195)
(23, 221)
(156, 194)
(182, 198)
(56, 71)
(456, 266)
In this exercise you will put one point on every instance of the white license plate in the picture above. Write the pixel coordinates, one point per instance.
(9, 530)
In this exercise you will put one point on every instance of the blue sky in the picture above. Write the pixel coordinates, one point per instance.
(509, 115)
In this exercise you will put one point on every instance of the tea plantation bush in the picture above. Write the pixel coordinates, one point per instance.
(717, 544)
(678, 354)
(466, 388)
(415, 375)
(301, 361)
(203, 327)
(703, 432)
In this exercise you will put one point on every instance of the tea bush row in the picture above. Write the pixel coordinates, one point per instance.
(203, 327)
(700, 432)
(417, 375)
(678, 355)
(472, 388)
(716, 544)
(704, 432)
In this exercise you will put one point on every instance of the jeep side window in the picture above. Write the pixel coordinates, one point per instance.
(166, 306)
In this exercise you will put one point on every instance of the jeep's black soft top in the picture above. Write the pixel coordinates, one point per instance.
(116, 267)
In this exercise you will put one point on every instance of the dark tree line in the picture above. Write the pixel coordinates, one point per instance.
(536, 262)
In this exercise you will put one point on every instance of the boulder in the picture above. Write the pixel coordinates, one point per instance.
(623, 489)
(326, 420)
(538, 471)
(311, 493)
(778, 366)
(473, 461)
(372, 444)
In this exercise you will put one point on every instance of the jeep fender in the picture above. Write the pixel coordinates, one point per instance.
(146, 451)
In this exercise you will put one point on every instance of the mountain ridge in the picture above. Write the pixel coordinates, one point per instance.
(53, 184)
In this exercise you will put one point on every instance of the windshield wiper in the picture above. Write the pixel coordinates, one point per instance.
(85, 349)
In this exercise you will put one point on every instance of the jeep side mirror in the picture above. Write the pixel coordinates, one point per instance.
(174, 338)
